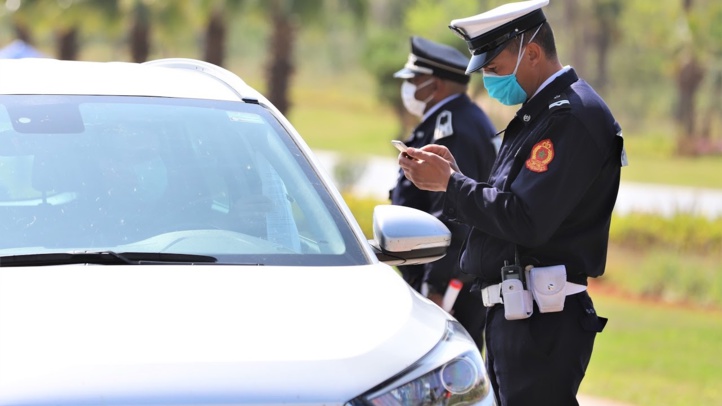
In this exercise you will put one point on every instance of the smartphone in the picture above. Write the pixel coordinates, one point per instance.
(399, 145)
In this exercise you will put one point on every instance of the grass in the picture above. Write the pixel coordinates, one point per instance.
(652, 159)
(652, 354)
(343, 116)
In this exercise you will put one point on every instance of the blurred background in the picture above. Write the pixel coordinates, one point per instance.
(328, 65)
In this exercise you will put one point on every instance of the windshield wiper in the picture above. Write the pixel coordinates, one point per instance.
(104, 258)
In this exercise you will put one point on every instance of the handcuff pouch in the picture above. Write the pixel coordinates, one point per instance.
(548, 286)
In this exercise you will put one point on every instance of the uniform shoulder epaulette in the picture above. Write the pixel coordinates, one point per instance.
(559, 102)
(444, 125)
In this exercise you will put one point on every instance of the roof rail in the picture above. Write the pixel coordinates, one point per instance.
(226, 77)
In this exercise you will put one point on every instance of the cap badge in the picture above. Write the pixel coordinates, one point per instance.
(541, 154)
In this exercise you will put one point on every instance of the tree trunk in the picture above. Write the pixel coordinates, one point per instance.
(576, 32)
(280, 65)
(22, 32)
(689, 78)
(140, 34)
(66, 42)
(606, 13)
(216, 38)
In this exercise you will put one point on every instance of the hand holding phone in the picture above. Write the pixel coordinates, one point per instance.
(401, 147)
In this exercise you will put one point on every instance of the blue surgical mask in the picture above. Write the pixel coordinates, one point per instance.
(506, 88)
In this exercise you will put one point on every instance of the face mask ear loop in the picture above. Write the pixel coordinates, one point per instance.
(521, 52)
(422, 85)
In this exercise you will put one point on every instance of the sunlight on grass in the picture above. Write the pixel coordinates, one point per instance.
(703, 172)
(652, 159)
(651, 354)
(344, 116)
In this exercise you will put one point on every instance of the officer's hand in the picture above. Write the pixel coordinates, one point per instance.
(428, 171)
(443, 152)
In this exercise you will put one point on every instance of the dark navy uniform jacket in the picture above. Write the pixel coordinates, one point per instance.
(551, 191)
(466, 130)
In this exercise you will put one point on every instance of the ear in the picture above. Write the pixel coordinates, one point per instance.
(535, 53)
(438, 84)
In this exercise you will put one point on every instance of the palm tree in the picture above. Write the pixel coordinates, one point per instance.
(606, 15)
(286, 17)
(690, 74)
(211, 16)
(139, 32)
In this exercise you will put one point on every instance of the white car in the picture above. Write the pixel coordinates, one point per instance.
(167, 238)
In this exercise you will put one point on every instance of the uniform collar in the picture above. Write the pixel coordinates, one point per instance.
(551, 78)
(439, 105)
(540, 102)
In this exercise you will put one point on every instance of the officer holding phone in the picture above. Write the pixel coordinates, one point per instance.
(540, 223)
(434, 89)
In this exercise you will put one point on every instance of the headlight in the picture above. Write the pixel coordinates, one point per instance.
(452, 373)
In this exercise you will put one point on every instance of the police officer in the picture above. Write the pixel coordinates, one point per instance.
(435, 89)
(541, 221)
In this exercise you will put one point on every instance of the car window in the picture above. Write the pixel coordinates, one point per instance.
(132, 174)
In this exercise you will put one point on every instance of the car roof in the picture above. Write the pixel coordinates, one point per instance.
(174, 77)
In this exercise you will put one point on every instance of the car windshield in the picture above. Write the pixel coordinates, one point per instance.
(162, 175)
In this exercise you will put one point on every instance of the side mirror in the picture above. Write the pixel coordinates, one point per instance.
(407, 236)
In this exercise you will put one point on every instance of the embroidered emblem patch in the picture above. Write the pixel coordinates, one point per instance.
(541, 154)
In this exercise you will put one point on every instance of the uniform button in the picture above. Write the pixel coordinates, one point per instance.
(452, 211)
(527, 118)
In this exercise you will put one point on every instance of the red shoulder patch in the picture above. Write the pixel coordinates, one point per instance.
(541, 154)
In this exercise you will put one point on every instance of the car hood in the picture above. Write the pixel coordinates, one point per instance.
(116, 335)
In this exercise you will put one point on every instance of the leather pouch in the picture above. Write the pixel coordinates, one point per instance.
(548, 286)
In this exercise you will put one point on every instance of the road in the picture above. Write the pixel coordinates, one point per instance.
(379, 175)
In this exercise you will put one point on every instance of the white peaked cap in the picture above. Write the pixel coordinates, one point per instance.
(487, 33)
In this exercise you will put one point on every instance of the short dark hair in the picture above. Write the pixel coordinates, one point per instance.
(544, 38)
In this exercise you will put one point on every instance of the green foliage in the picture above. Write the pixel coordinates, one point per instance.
(666, 275)
(384, 54)
(680, 233)
(430, 19)
(347, 172)
(363, 210)
(674, 259)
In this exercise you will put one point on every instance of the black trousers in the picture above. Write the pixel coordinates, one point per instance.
(541, 360)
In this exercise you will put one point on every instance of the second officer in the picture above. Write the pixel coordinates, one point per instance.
(435, 89)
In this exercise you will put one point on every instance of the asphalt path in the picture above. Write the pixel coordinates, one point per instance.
(378, 174)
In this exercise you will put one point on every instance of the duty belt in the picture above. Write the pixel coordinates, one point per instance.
(491, 295)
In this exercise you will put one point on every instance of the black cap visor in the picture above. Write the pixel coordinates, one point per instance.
(477, 62)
